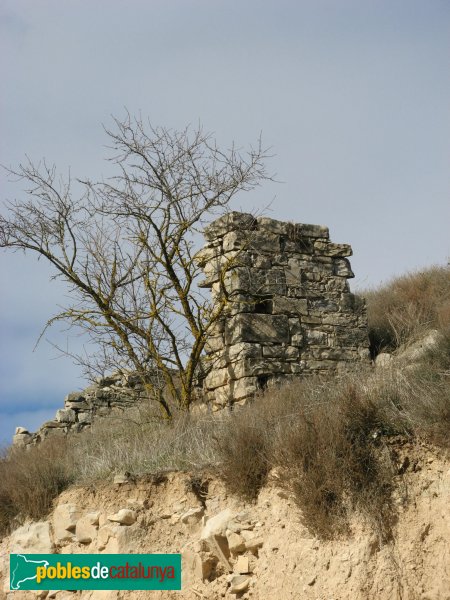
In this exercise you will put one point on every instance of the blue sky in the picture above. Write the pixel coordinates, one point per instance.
(353, 96)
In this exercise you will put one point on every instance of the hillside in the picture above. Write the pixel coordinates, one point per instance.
(277, 556)
(325, 488)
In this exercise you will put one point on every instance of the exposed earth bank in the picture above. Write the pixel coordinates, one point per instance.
(233, 549)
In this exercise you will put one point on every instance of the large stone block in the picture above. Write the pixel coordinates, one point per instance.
(197, 566)
(214, 343)
(219, 264)
(342, 268)
(263, 242)
(65, 415)
(203, 256)
(324, 305)
(53, 425)
(336, 284)
(252, 367)
(221, 396)
(64, 520)
(272, 225)
(125, 516)
(32, 538)
(293, 276)
(74, 397)
(249, 241)
(330, 249)
(314, 231)
(289, 306)
(22, 439)
(303, 246)
(229, 222)
(214, 534)
(316, 337)
(275, 282)
(242, 350)
(257, 328)
(216, 378)
(243, 388)
(86, 528)
(283, 352)
(85, 418)
(244, 280)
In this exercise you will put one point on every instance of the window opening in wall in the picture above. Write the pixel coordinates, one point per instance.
(262, 381)
(264, 307)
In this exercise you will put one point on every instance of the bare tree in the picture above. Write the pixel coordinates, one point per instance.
(126, 247)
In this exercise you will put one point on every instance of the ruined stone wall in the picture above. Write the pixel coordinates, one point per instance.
(288, 312)
(289, 308)
(110, 397)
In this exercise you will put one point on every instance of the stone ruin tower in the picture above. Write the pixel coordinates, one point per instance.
(289, 309)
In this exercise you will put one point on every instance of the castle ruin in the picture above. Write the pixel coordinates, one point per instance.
(288, 312)
(289, 309)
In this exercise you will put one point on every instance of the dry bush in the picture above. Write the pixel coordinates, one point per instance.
(437, 357)
(244, 441)
(408, 306)
(329, 442)
(334, 461)
(424, 396)
(244, 452)
(30, 479)
(325, 440)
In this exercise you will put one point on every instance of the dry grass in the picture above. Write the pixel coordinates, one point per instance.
(31, 479)
(405, 308)
(334, 463)
(142, 443)
(244, 443)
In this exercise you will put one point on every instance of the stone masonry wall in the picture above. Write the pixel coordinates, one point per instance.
(109, 397)
(289, 308)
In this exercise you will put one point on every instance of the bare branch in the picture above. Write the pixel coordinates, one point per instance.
(126, 247)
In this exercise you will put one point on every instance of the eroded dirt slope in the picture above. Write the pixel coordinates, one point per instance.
(261, 551)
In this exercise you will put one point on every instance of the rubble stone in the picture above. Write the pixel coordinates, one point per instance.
(192, 516)
(32, 538)
(239, 584)
(65, 517)
(124, 516)
(86, 528)
(213, 533)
